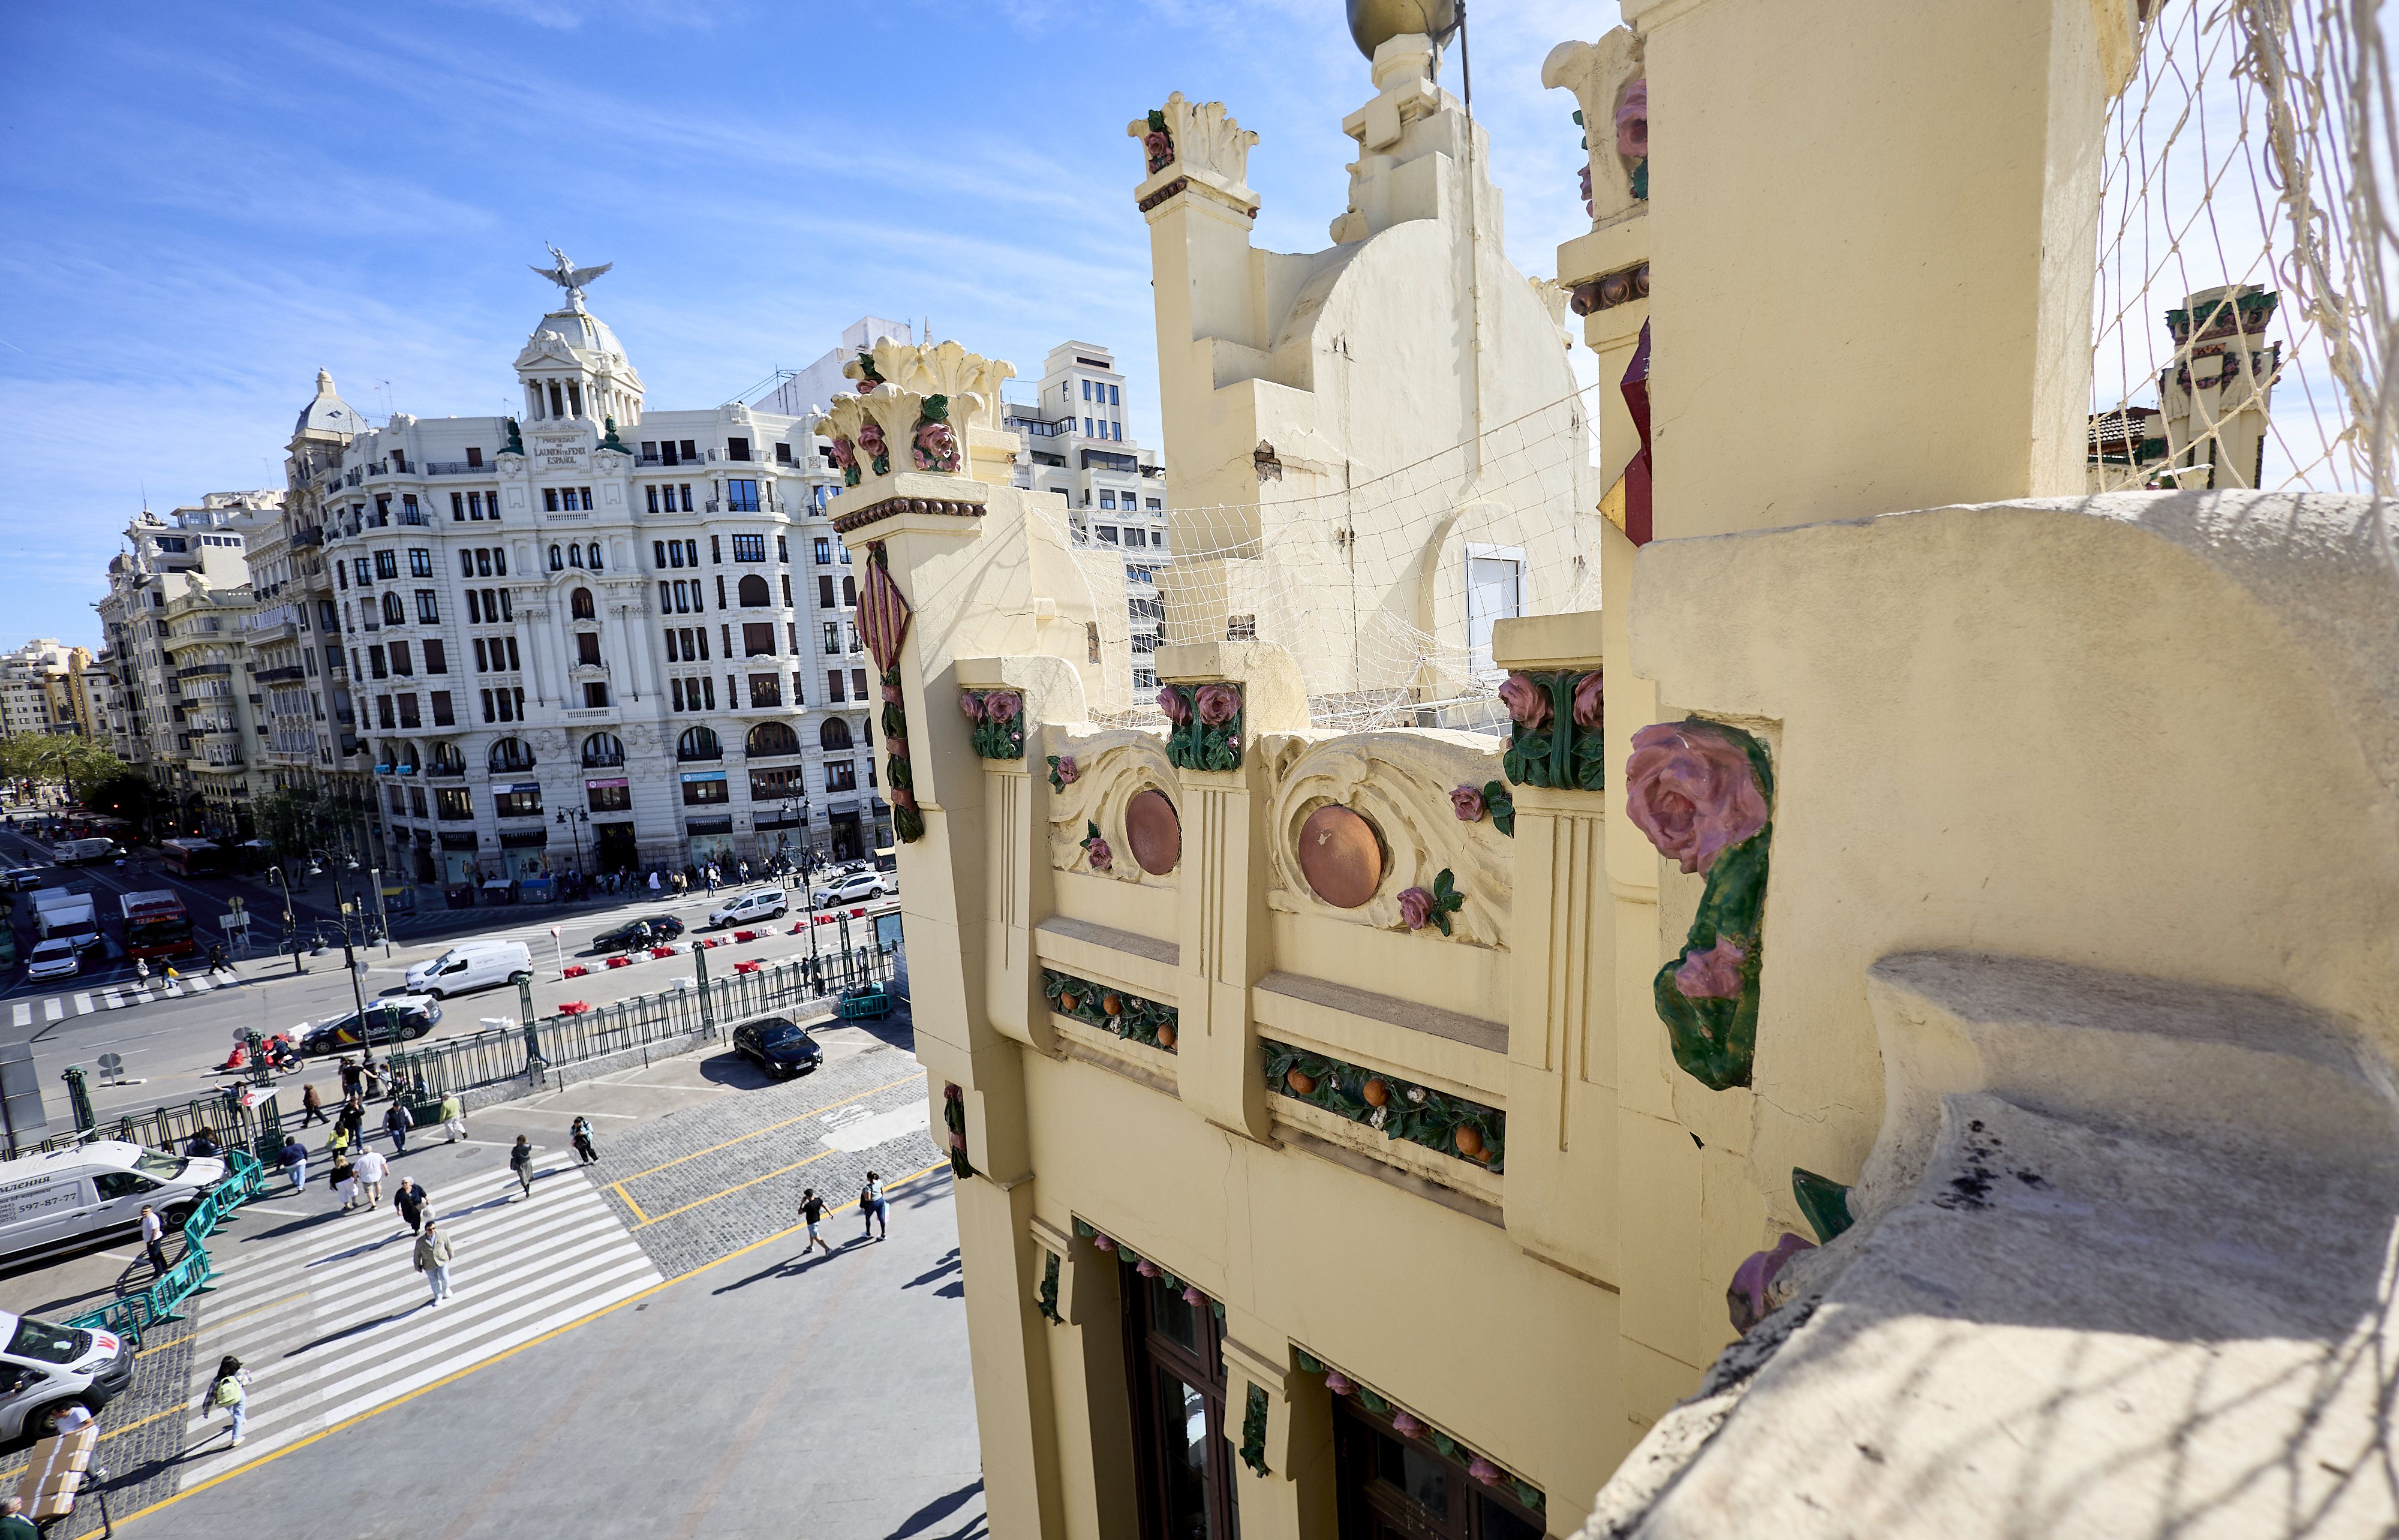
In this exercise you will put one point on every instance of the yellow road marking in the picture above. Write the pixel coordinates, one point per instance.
(619, 1187)
(772, 1127)
(736, 1188)
(496, 1357)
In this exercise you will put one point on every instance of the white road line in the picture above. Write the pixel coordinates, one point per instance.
(51, 1010)
(24, 1014)
(111, 999)
(83, 1004)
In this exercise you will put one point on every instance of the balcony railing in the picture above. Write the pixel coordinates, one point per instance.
(456, 467)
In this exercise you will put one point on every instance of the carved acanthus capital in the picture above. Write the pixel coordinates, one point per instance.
(1201, 140)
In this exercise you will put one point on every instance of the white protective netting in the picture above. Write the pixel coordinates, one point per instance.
(2249, 150)
(1368, 585)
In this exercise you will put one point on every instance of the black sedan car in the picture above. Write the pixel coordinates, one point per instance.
(778, 1045)
(402, 1019)
(657, 930)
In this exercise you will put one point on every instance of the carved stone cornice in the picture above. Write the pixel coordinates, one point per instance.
(891, 507)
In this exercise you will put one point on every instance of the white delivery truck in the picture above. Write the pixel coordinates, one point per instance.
(84, 852)
(60, 913)
(471, 965)
(95, 1191)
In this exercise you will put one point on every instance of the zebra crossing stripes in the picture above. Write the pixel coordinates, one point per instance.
(114, 997)
(335, 1321)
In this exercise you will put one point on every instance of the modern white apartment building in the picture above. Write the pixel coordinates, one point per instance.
(1076, 445)
(601, 635)
(175, 619)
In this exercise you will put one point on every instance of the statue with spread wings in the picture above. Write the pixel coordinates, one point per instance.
(568, 276)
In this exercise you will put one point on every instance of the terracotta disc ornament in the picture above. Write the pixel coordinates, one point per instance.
(1340, 856)
(1152, 831)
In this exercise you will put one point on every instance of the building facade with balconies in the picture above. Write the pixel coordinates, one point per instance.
(1076, 445)
(185, 556)
(599, 637)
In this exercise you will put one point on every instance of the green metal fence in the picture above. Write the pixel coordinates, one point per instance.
(460, 1065)
(134, 1314)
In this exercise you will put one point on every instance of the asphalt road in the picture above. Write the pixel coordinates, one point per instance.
(172, 1046)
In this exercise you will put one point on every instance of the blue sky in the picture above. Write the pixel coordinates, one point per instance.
(206, 203)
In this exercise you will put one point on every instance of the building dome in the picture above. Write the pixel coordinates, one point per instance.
(580, 330)
(329, 412)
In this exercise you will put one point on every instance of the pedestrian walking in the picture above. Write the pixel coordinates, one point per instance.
(410, 1202)
(294, 1158)
(812, 1213)
(344, 1179)
(521, 1162)
(372, 1168)
(312, 1105)
(654, 879)
(229, 1393)
(396, 1123)
(153, 1238)
(353, 1120)
(432, 1253)
(340, 1141)
(742, 866)
(350, 1077)
(870, 1212)
(453, 1117)
(580, 1132)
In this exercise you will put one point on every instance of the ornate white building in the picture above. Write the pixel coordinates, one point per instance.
(602, 636)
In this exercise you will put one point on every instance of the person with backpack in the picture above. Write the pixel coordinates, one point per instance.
(227, 1394)
(521, 1162)
(580, 1132)
(812, 1213)
(397, 1122)
(432, 1255)
(872, 1208)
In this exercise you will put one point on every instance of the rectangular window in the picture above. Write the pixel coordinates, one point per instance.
(1086, 390)
(1185, 1463)
(825, 592)
(595, 695)
(453, 802)
(674, 690)
(1107, 499)
(841, 776)
(488, 715)
(708, 691)
(685, 490)
(443, 714)
(736, 448)
(437, 659)
(824, 556)
(375, 660)
(698, 793)
(457, 507)
(667, 455)
(720, 591)
(408, 514)
(550, 499)
(775, 785)
(690, 451)
(383, 710)
(701, 632)
(518, 802)
(474, 457)
(653, 493)
(483, 661)
(749, 547)
(608, 796)
(765, 689)
(415, 801)
(758, 639)
(387, 563)
(741, 496)
(466, 563)
(399, 662)
(428, 606)
(408, 717)
(398, 800)
(832, 687)
(420, 561)
(586, 647)
(787, 590)
(832, 642)
(858, 679)
(1113, 399)
(1107, 534)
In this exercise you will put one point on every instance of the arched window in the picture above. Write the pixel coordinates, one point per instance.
(557, 559)
(579, 605)
(575, 555)
(834, 733)
(754, 592)
(392, 612)
(700, 743)
(511, 754)
(769, 738)
(592, 559)
(403, 756)
(447, 761)
(603, 749)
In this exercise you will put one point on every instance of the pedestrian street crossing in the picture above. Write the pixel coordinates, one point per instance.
(23, 1013)
(336, 1322)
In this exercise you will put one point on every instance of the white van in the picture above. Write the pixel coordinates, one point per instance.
(66, 1197)
(763, 903)
(45, 1368)
(59, 957)
(471, 965)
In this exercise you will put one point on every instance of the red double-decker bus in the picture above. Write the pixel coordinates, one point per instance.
(155, 926)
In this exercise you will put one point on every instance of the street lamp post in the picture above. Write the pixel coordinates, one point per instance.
(290, 928)
(574, 818)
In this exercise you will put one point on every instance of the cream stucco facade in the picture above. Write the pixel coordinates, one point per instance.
(1382, 1131)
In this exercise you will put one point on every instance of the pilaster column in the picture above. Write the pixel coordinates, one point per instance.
(1222, 924)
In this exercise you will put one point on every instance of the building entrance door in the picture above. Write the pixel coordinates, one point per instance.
(846, 843)
(613, 848)
(1185, 1469)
